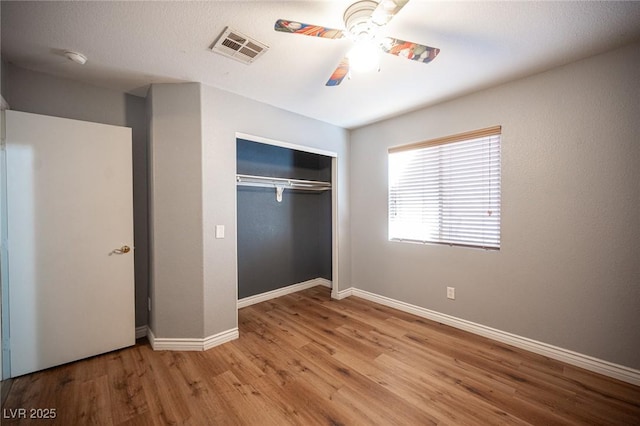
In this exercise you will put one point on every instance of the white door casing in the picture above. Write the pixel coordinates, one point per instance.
(69, 207)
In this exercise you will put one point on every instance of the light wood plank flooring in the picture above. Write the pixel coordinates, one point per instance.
(304, 359)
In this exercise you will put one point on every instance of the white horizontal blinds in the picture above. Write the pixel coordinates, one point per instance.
(447, 191)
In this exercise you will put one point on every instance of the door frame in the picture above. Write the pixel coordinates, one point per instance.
(335, 280)
(5, 354)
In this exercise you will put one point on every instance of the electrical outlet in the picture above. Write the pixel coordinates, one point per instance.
(451, 292)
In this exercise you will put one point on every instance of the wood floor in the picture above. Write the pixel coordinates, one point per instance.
(303, 359)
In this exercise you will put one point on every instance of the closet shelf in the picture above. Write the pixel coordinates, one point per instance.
(281, 183)
(274, 182)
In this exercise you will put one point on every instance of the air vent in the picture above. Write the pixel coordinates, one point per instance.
(235, 45)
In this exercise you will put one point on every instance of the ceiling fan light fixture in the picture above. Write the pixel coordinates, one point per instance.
(363, 22)
(357, 17)
(364, 57)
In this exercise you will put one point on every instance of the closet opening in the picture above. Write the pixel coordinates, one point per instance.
(286, 218)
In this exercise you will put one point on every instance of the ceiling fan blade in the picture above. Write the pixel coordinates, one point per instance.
(386, 10)
(340, 73)
(306, 29)
(409, 50)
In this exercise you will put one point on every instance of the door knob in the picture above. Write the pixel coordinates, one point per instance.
(122, 250)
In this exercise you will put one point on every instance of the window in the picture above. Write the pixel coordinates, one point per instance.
(447, 191)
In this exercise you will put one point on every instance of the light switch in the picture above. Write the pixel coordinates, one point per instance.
(219, 231)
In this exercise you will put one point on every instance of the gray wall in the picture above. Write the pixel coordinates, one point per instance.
(4, 67)
(39, 93)
(281, 243)
(176, 285)
(568, 271)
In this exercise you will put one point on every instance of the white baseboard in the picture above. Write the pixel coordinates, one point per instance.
(263, 297)
(220, 338)
(141, 331)
(596, 365)
(323, 282)
(195, 344)
(342, 294)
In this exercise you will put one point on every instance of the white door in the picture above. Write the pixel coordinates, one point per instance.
(69, 213)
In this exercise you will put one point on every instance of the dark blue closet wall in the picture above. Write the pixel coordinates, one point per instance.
(280, 244)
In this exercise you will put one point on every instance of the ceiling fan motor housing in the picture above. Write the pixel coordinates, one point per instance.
(357, 18)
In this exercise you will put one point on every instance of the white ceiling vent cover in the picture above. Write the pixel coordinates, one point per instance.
(235, 45)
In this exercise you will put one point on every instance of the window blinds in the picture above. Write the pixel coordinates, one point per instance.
(447, 191)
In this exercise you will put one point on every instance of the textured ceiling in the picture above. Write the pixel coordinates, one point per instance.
(133, 44)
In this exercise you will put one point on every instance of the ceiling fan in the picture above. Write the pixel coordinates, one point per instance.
(363, 22)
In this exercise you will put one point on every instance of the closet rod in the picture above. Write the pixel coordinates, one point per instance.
(271, 182)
